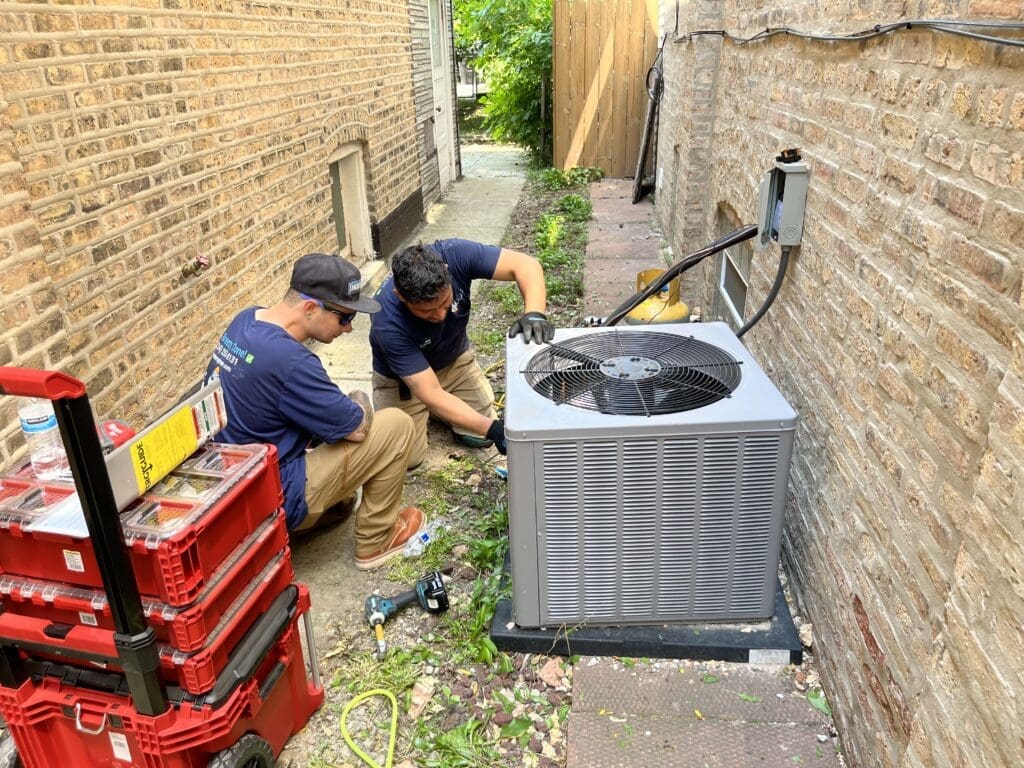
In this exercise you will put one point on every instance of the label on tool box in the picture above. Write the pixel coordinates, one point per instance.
(162, 449)
(119, 742)
(73, 561)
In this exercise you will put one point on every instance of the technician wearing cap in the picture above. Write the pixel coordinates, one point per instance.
(277, 391)
(422, 361)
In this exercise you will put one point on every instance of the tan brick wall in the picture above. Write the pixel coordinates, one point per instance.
(899, 338)
(137, 136)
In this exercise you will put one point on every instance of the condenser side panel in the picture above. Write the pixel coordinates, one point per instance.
(524, 526)
(761, 506)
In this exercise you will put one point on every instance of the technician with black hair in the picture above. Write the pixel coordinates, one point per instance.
(422, 361)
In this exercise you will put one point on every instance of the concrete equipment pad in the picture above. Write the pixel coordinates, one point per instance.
(775, 641)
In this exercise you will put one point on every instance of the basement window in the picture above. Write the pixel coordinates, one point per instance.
(733, 276)
(349, 203)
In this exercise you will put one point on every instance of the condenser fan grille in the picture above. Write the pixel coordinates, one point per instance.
(633, 373)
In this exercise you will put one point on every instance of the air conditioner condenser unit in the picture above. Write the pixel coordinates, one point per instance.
(647, 477)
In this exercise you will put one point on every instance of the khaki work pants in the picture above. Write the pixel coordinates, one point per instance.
(335, 471)
(463, 378)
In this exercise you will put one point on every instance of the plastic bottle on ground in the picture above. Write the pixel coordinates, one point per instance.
(416, 545)
(42, 435)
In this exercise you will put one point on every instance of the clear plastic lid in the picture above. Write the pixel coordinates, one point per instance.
(22, 501)
(179, 500)
(189, 492)
(194, 486)
(49, 591)
(232, 461)
(178, 657)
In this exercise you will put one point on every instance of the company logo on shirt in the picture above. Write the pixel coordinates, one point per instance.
(456, 303)
(229, 354)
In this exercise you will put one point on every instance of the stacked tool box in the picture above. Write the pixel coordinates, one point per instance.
(207, 550)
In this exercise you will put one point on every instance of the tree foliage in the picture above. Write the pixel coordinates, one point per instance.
(509, 43)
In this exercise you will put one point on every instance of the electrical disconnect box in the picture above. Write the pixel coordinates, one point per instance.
(782, 201)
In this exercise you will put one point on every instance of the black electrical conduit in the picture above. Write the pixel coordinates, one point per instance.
(947, 26)
(726, 241)
(770, 298)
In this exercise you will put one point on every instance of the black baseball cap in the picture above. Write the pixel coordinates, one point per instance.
(332, 280)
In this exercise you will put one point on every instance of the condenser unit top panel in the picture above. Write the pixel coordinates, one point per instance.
(659, 379)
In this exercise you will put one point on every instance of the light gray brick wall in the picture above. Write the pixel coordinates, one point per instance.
(135, 137)
(898, 336)
(423, 89)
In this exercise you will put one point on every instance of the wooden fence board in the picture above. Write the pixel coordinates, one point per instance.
(602, 51)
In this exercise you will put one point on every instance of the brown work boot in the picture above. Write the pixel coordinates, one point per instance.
(410, 522)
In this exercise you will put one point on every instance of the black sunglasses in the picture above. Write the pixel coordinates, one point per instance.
(345, 318)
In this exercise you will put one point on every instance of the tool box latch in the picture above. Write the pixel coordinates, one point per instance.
(57, 631)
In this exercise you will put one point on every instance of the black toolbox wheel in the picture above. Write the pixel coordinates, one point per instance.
(250, 751)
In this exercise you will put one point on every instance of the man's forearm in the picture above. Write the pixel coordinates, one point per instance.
(456, 412)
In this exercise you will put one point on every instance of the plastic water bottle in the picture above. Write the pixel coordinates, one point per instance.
(39, 424)
(416, 545)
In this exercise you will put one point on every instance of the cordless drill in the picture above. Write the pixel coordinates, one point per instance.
(429, 591)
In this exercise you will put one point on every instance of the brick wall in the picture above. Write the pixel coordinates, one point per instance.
(898, 336)
(136, 137)
(423, 89)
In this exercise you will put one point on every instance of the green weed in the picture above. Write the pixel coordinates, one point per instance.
(575, 208)
(555, 178)
(464, 746)
(549, 230)
(508, 298)
(488, 342)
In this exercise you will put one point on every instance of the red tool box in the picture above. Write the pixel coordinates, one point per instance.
(195, 672)
(248, 680)
(184, 629)
(178, 533)
(75, 717)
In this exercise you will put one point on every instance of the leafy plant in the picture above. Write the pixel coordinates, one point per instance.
(549, 230)
(555, 178)
(488, 341)
(576, 208)
(816, 698)
(584, 174)
(464, 746)
(508, 297)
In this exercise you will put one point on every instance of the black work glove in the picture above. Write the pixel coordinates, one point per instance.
(496, 434)
(534, 326)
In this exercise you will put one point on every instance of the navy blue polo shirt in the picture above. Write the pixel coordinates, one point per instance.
(277, 391)
(402, 343)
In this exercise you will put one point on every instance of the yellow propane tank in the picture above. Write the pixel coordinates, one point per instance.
(662, 307)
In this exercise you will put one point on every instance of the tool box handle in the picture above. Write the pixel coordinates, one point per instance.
(29, 382)
(133, 638)
(254, 646)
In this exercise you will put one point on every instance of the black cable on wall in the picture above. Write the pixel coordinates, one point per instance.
(945, 26)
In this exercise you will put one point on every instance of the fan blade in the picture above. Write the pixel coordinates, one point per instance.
(572, 354)
(693, 379)
(569, 383)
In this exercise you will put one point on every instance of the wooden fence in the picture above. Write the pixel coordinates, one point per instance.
(602, 51)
